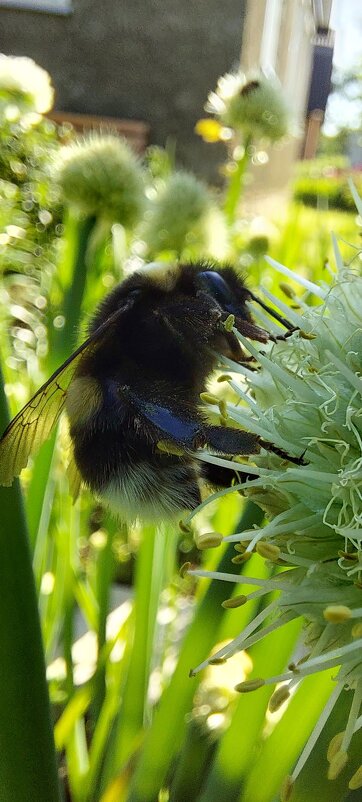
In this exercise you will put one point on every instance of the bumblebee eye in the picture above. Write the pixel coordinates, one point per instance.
(217, 287)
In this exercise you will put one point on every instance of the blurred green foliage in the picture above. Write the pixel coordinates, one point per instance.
(323, 183)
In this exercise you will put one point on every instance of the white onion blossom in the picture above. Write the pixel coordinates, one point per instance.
(24, 82)
(252, 103)
(306, 398)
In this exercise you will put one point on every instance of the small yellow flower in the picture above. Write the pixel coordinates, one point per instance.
(211, 130)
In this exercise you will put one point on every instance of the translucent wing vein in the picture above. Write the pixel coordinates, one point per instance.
(33, 424)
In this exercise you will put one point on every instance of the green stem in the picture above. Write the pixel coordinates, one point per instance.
(27, 755)
(236, 183)
(168, 728)
(149, 581)
(61, 342)
(106, 565)
(192, 766)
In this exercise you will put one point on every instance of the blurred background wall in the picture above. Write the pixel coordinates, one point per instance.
(156, 61)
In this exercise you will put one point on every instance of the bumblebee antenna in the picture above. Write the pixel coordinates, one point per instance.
(272, 312)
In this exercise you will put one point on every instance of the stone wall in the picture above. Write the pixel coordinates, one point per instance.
(154, 61)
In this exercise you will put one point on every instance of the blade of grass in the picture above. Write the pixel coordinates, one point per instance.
(61, 342)
(195, 756)
(230, 764)
(105, 569)
(168, 727)
(116, 673)
(149, 581)
(27, 763)
(287, 740)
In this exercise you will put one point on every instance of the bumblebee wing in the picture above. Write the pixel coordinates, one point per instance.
(74, 479)
(34, 423)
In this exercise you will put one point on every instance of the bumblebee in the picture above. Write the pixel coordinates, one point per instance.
(135, 381)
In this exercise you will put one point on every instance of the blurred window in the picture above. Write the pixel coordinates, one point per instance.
(49, 6)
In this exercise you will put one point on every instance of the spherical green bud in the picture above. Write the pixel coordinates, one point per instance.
(177, 218)
(101, 176)
(252, 104)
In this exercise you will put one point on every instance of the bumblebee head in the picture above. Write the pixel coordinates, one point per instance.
(221, 284)
(180, 290)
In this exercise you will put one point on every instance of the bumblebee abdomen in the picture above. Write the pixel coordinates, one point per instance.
(152, 491)
(118, 459)
(136, 482)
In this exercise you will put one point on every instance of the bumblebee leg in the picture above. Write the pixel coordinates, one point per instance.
(232, 441)
(283, 454)
(273, 313)
(228, 441)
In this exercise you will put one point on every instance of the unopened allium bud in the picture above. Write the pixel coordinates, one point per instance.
(178, 215)
(252, 104)
(25, 84)
(101, 176)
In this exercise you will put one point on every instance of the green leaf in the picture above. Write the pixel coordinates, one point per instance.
(27, 757)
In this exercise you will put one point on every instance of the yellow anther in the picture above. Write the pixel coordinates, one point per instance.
(208, 540)
(185, 569)
(334, 746)
(278, 698)
(217, 661)
(229, 323)
(337, 613)
(241, 558)
(357, 630)
(208, 398)
(268, 550)
(236, 601)
(337, 764)
(249, 685)
(356, 781)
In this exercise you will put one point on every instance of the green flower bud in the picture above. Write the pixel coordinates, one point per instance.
(177, 219)
(252, 104)
(101, 176)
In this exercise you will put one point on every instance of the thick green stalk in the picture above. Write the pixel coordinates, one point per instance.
(193, 763)
(168, 728)
(105, 569)
(152, 564)
(61, 343)
(63, 340)
(236, 183)
(27, 756)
